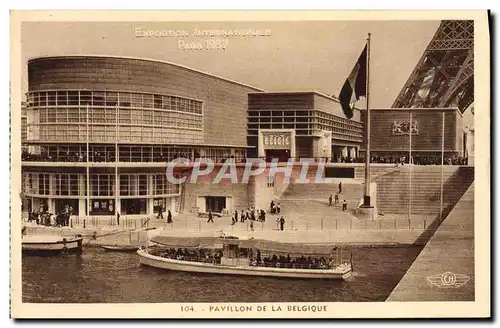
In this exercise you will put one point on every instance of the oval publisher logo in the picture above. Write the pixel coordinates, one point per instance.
(448, 280)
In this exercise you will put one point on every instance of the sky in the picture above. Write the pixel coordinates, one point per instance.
(296, 56)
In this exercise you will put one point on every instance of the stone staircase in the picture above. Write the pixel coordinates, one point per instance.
(393, 189)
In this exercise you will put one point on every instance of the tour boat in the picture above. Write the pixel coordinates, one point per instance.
(238, 258)
(51, 245)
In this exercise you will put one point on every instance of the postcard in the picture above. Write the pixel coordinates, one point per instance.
(256, 164)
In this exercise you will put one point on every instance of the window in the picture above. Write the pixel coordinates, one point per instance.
(62, 98)
(102, 185)
(124, 184)
(147, 101)
(85, 98)
(98, 98)
(111, 99)
(52, 98)
(125, 116)
(73, 98)
(157, 101)
(110, 116)
(147, 116)
(43, 184)
(143, 184)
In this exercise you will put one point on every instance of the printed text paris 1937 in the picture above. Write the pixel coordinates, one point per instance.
(201, 39)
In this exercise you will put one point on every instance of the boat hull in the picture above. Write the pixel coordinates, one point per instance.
(58, 247)
(177, 265)
(112, 248)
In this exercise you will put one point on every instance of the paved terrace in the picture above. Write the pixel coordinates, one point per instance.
(451, 249)
(329, 225)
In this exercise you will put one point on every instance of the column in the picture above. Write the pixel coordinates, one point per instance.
(81, 207)
(352, 152)
(344, 151)
(172, 205)
(51, 204)
(150, 206)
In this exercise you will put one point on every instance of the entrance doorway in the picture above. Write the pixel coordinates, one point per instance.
(215, 204)
(281, 154)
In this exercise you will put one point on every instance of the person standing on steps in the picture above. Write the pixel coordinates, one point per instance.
(330, 200)
(344, 205)
(210, 217)
(118, 217)
(282, 223)
(160, 212)
(169, 217)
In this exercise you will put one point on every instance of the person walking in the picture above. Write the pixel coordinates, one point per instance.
(235, 216)
(282, 223)
(278, 208)
(242, 216)
(160, 212)
(340, 187)
(169, 217)
(344, 205)
(210, 217)
(330, 199)
(337, 201)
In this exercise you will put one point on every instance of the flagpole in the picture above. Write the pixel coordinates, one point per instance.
(366, 200)
(442, 170)
(409, 170)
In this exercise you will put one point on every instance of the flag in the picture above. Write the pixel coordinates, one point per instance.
(355, 85)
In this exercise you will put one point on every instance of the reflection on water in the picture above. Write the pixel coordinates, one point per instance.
(98, 276)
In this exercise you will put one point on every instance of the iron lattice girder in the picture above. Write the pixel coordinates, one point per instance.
(463, 79)
(440, 73)
(453, 35)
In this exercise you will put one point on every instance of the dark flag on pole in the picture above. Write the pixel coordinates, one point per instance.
(355, 86)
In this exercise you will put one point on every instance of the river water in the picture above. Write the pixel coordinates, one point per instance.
(98, 276)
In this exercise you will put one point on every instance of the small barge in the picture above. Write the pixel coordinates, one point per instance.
(51, 245)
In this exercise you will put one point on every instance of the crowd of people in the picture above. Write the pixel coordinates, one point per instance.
(103, 156)
(292, 263)
(192, 255)
(48, 219)
(253, 214)
(96, 156)
(404, 159)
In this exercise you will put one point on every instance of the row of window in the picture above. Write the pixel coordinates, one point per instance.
(340, 133)
(342, 126)
(73, 184)
(109, 116)
(279, 113)
(112, 99)
(102, 133)
(278, 119)
(338, 119)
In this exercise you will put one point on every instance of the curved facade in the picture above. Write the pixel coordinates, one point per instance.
(169, 103)
(103, 114)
